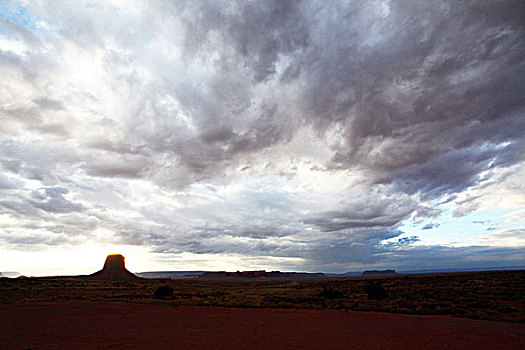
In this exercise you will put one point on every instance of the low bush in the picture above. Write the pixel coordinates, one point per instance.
(163, 292)
(329, 293)
(375, 290)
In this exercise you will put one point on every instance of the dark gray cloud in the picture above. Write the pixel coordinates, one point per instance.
(403, 242)
(517, 235)
(396, 90)
(123, 166)
(6, 183)
(52, 200)
(465, 207)
(49, 103)
(33, 242)
(18, 208)
(252, 230)
(363, 217)
(430, 226)
(367, 211)
(409, 122)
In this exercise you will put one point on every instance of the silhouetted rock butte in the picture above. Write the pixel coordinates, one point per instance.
(114, 270)
(379, 272)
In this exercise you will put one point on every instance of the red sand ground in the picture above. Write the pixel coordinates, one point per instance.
(117, 325)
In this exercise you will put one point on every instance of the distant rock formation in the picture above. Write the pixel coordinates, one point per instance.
(379, 273)
(114, 270)
(260, 274)
(169, 274)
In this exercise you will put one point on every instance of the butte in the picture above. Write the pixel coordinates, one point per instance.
(114, 270)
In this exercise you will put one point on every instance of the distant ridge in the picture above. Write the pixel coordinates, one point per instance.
(472, 269)
(436, 270)
(260, 274)
(222, 274)
(169, 274)
(225, 274)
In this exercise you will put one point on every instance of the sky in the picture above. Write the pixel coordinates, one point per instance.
(312, 136)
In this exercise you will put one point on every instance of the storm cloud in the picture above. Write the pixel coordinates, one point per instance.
(286, 129)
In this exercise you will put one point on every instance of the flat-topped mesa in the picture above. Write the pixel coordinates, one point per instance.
(379, 272)
(114, 270)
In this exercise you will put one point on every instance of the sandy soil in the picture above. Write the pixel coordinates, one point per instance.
(117, 325)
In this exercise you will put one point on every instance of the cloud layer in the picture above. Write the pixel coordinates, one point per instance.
(298, 129)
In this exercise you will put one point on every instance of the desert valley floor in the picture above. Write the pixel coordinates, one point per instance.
(121, 325)
(480, 310)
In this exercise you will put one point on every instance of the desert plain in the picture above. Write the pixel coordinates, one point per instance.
(470, 310)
